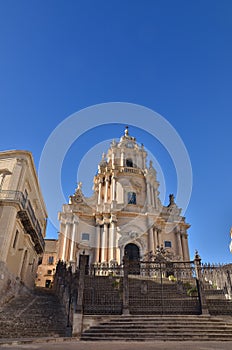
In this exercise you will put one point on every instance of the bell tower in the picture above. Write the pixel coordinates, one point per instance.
(123, 178)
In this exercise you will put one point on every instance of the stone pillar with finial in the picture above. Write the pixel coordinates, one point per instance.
(126, 310)
(78, 315)
(200, 286)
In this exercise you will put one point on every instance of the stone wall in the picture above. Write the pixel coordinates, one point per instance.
(10, 286)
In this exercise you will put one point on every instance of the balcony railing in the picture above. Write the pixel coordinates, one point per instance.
(27, 216)
(126, 169)
(13, 196)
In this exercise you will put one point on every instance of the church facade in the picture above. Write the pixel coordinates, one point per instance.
(125, 215)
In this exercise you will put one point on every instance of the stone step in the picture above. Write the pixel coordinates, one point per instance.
(160, 330)
(134, 324)
(153, 332)
(167, 336)
(170, 337)
(139, 325)
(142, 328)
(169, 319)
(36, 315)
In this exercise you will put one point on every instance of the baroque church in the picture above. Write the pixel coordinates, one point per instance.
(124, 216)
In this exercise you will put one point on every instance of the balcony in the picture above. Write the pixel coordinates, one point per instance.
(26, 215)
(130, 170)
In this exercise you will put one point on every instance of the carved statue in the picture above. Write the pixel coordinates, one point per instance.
(78, 195)
(171, 199)
(79, 185)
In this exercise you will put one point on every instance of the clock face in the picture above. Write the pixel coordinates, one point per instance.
(77, 198)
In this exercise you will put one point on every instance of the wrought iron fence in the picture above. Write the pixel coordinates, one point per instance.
(153, 288)
(145, 287)
(163, 288)
(104, 289)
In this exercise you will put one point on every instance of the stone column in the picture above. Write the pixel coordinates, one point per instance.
(104, 243)
(18, 178)
(155, 238)
(106, 189)
(136, 160)
(99, 192)
(125, 310)
(148, 193)
(112, 159)
(7, 230)
(122, 158)
(150, 240)
(155, 198)
(113, 188)
(2, 177)
(143, 158)
(185, 247)
(65, 242)
(97, 242)
(139, 161)
(179, 245)
(152, 197)
(112, 243)
(159, 238)
(72, 243)
(228, 277)
(78, 315)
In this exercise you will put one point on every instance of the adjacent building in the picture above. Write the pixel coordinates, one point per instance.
(125, 215)
(46, 270)
(22, 221)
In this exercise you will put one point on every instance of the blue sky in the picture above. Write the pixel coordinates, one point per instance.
(174, 57)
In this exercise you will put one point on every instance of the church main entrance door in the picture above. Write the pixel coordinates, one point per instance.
(132, 253)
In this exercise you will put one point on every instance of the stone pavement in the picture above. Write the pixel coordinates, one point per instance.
(156, 345)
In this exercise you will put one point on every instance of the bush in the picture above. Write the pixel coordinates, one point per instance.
(192, 292)
(172, 278)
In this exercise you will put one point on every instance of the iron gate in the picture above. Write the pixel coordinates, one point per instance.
(152, 288)
(103, 290)
(163, 288)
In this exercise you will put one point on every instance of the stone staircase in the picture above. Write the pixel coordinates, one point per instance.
(101, 296)
(33, 315)
(216, 301)
(167, 328)
(219, 306)
(150, 297)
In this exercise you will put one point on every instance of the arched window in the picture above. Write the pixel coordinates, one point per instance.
(129, 163)
(131, 198)
(131, 250)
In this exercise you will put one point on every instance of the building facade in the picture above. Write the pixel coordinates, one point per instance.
(22, 221)
(124, 215)
(46, 270)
